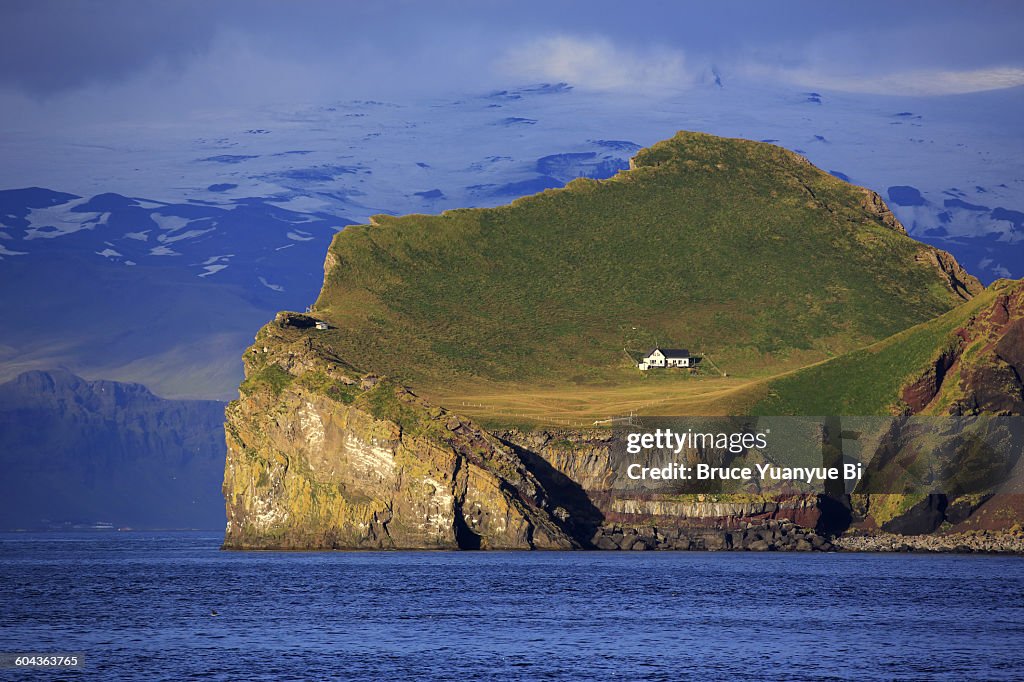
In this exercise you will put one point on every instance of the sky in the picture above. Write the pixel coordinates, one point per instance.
(69, 62)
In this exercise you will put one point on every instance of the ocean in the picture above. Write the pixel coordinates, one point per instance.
(142, 606)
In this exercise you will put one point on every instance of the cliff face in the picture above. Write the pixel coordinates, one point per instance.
(607, 510)
(321, 457)
(981, 368)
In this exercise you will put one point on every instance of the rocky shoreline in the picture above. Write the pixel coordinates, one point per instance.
(774, 536)
(982, 542)
(784, 536)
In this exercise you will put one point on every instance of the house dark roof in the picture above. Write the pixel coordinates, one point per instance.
(671, 352)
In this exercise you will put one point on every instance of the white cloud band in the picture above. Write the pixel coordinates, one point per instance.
(914, 83)
(596, 63)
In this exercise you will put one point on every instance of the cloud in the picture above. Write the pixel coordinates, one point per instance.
(52, 46)
(242, 71)
(597, 64)
(915, 83)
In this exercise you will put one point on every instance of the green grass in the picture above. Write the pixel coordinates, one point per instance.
(332, 388)
(736, 247)
(868, 381)
(388, 402)
(271, 377)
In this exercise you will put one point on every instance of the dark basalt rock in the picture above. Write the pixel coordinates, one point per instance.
(924, 517)
(295, 320)
(963, 507)
(772, 536)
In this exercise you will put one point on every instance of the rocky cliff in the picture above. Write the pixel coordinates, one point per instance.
(980, 370)
(586, 471)
(321, 456)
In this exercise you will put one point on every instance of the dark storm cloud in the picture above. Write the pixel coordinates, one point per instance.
(55, 45)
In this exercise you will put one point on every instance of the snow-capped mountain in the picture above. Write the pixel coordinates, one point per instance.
(990, 239)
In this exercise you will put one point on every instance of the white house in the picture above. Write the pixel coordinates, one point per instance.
(320, 324)
(666, 357)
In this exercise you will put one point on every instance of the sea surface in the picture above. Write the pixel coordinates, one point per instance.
(141, 605)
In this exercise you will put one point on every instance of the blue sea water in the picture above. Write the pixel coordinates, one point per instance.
(138, 605)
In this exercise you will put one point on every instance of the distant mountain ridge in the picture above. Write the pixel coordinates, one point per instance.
(149, 291)
(989, 238)
(77, 452)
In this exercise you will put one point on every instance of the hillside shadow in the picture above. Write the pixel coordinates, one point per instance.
(584, 518)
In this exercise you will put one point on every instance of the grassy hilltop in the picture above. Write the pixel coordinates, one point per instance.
(965, 357)
(739, 249)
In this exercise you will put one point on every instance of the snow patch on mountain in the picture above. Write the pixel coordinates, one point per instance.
(272, 287)
(59, 220)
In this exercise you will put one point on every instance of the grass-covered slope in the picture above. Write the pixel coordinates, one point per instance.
(964, 356)
(738, 248)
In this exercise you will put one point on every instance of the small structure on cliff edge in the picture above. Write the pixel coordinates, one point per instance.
(287, 319)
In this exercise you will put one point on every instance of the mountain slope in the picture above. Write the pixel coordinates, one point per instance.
(80, 452)
(159, 293)
(738, 247)
(968, 361)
